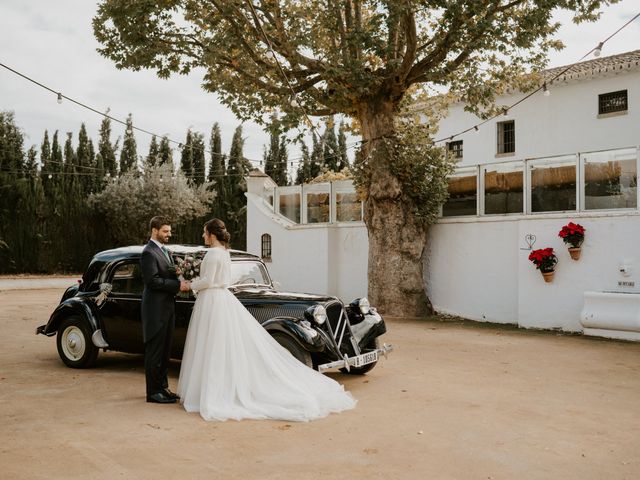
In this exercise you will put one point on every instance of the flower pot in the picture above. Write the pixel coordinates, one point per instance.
(548, 276)
(575, 252)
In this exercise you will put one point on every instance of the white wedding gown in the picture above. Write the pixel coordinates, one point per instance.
(233, 369)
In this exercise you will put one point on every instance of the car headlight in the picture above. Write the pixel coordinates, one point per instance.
(362, 304)
(318, 313)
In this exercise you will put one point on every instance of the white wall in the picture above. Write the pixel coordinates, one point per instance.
(564, 122)
(479, 268)
(318, 258)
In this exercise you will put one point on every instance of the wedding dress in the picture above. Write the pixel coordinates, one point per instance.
(233, 369)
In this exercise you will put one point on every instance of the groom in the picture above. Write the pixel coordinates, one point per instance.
(158, 310)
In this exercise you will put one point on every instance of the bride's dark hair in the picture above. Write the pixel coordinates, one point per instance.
(216, 227)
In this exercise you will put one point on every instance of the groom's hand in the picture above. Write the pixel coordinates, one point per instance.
(185, 286)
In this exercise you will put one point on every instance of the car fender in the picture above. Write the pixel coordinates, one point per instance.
(307, 338)
(376, 330)
(71, 306)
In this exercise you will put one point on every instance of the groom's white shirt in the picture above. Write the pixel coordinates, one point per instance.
(157, 243)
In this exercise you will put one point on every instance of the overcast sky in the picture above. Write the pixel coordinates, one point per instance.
(52, 42)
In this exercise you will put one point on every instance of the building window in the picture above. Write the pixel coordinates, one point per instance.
(612, 102)
(553, 184)
(503, 191)
(506, 137)
(266, 246)
(610, 179)
(455, 149)
(463, 194)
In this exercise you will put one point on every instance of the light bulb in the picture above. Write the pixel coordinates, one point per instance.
(598, 50)
(505, 112)
(545, 90)
(59, 98)
(50, 177)
(476, 129)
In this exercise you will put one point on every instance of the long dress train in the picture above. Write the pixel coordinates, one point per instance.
(233, 369)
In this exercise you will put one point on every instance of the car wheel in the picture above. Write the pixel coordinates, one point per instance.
(372, 345)
(74, 343)
(294, 349)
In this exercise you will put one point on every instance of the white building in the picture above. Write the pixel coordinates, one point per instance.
(572, 155)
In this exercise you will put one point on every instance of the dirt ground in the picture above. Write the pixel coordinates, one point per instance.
(454, 401)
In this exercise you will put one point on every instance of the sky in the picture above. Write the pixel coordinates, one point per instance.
(53, 43)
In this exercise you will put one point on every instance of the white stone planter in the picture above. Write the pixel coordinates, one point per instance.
(611, 315)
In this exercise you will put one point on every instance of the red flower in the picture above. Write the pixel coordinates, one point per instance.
(572, 234)
(544, 259)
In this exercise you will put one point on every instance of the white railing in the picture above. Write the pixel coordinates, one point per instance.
(578, 182)
(317, 203)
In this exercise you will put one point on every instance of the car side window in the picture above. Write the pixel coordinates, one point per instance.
(127, 279)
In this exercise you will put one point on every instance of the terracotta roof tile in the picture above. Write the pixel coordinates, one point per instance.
(592, 68)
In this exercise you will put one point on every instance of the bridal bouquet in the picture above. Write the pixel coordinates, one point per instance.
(188, 268)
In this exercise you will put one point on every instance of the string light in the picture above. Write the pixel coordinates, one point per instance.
(545, 90)
(598, 50)
(59, 98)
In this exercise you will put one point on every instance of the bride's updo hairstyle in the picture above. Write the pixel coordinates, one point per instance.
(216, 227)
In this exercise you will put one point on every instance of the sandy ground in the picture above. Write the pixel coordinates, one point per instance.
(454, 401)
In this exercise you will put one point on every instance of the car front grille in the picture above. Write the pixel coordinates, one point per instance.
(262, 313)
(339, 325)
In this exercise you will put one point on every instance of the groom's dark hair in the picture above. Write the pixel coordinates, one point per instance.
(158, 222)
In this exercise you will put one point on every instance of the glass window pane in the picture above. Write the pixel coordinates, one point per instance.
(318, 205)
(348, 207)
(611, 179)
(553, 184)
(503, 188)
(290, 206)
(463, 195)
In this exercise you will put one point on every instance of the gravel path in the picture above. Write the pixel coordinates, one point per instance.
(453, 401)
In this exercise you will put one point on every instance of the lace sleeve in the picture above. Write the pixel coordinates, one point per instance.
(209, 269)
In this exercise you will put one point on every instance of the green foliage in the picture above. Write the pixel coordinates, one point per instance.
(128, 202)
(129, 153)
(107, 150)
(421, 169)
(276, 157)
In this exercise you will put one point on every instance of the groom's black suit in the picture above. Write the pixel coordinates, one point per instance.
(158, 315)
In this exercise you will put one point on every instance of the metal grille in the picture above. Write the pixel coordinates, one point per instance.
(613, 102)
(507, 137)
(262, 313)
(455, 149)
(266, 246)
(340, 326)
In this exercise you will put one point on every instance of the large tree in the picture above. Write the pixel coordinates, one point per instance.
(359, 58)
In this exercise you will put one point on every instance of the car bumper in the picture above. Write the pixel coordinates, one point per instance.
(348, 362)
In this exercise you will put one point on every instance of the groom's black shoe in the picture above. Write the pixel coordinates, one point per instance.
(160, 397)
(170, 394)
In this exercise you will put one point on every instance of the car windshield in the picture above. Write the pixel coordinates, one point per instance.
(251, 273)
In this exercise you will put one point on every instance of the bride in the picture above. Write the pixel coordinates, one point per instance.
(232, 368)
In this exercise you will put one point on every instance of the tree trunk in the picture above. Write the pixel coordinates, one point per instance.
(397, 239)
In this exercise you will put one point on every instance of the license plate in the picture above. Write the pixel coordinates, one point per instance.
(365, 359)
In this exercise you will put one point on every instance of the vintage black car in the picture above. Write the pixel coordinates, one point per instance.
(103, 312)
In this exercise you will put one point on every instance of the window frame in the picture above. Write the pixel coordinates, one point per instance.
(266, 243)
(500, 140)
(613, 113)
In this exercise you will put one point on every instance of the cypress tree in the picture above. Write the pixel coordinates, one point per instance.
(31, 165)
(154, 153)
(164, 152)
(217, 166)
(198, 159)
(315, 165)
(303, 174)
(186, 156)
(83, 159)
(106, 150)
(11, 145)
(342, 147)
(330, 154)
(129, 153)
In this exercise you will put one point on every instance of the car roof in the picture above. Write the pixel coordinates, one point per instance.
(135, 251)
